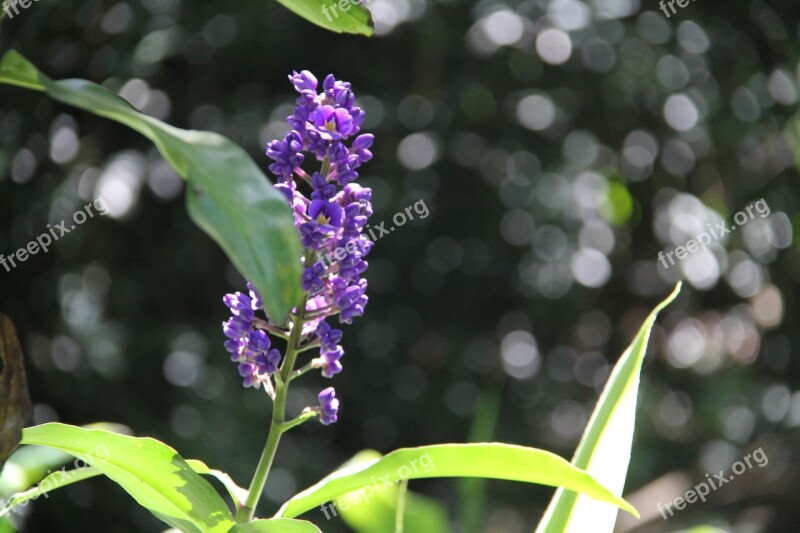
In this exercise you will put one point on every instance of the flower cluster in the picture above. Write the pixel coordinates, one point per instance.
(249, 347)
(330, 213)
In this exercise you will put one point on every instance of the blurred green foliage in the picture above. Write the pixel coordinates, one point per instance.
(560, 145)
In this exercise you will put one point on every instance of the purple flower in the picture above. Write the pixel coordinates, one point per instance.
(330, 361)
(328, 337)
(255, 297)
(332, 123)
(322, 189)
(267, 363)
(286, 154)
(312, 277)
(304, 81)
(236, 328)
(325, 212)
(249, 371)
(329, 406)
(240, 305)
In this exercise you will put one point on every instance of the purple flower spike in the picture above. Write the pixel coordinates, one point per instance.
(330, 213)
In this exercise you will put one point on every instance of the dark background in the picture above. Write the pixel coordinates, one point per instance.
(551, 189)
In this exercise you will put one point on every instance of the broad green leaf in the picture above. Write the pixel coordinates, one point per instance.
(605, 448)
(150, 471)
(276, 525)
(489, 460)
(227, 194)
(373, 511)
(328, 14)
(15, 403)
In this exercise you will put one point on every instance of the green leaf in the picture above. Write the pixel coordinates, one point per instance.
(368, 511)
(328, 14)
(605, 448)
(488, 460)
(64, 478)
(150, 471)
(276, 525)
(227, 194)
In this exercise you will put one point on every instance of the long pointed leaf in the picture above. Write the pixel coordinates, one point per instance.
(64, 478)
(605, 448)
(228, 196)
(488, 460)
(153, 473)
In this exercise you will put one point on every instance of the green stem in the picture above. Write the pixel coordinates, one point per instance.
(400, 509)
(278, 425)
(299, 420)
(299, 372)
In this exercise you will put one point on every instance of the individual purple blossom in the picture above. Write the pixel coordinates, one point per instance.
(330, 361)
(240, 305)
(267, 363)
(235, 327)
(362, 145)
(312, 277)
(328, 337)
(329, 406)
(326, 212)
(326, 217)
(303, 81)
(255, 297)
(323, 190)
(331, 123)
